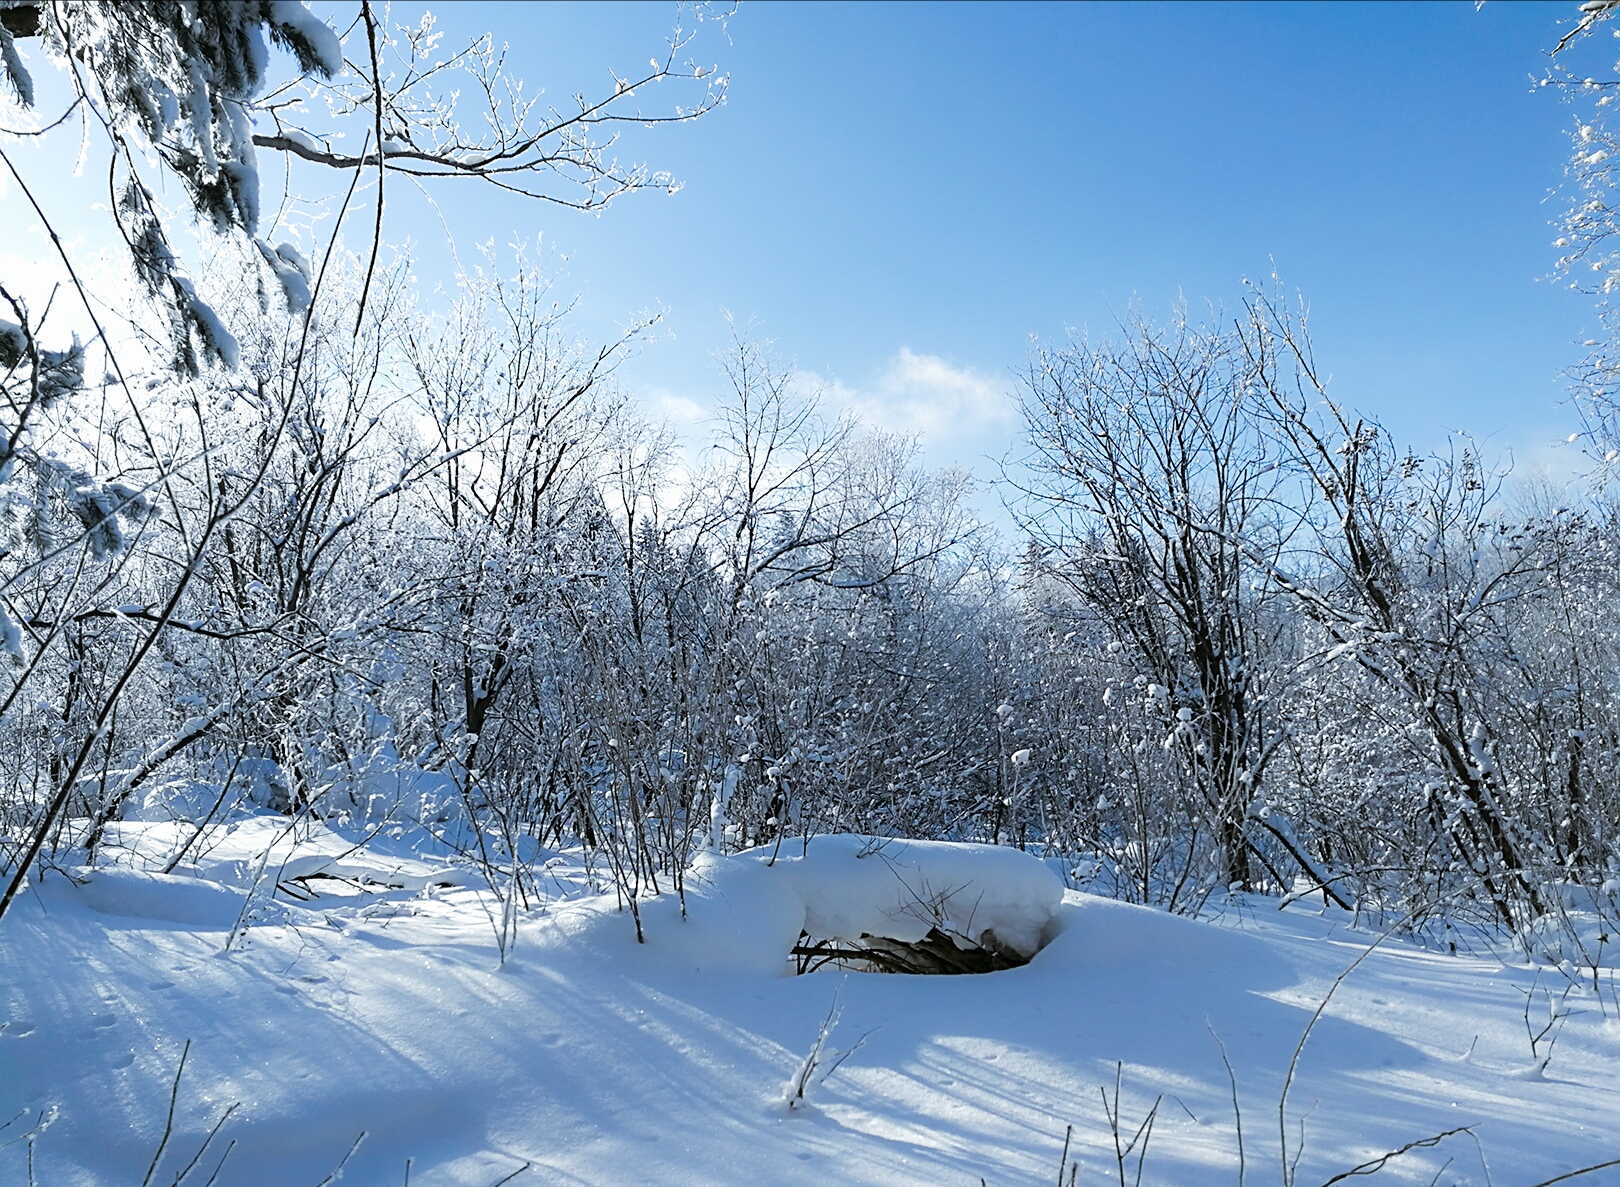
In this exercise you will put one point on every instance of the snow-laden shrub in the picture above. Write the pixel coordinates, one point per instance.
(390, 791)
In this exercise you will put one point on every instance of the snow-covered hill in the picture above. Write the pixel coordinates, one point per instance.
(381, 1006)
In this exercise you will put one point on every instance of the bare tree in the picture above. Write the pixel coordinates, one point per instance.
(1148, 490)
(1418, 569)
(228, 493)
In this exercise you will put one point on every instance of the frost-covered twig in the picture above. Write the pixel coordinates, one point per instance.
(1557, 1015)
(337, 1171)
(820, 1062)
(1143, 1134)
(168, 1124)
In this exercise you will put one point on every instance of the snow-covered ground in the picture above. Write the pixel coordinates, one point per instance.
(382, 1006)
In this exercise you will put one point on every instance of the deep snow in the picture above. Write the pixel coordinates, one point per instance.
(382, 1007)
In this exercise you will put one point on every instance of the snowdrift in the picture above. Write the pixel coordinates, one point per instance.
(368, 998)
(853, 887)
(749, 911)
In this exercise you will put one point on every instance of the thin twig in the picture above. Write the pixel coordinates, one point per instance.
(337, 1171)
(1585, 1170)
(202, 1149)
(513, 1175)
(168, 1125)
(1373, 1166)
(376, 82)
(1231, 1078)
(229, 1146)
(1299, 1049)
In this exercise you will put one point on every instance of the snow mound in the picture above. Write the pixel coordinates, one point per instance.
(385, 789)
(846, 887)
(163, 898)
(746, 912)
(1581, 931)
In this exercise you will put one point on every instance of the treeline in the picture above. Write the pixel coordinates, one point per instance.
(442, 572)
(282, 535)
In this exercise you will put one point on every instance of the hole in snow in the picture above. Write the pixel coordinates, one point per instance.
(937, 953)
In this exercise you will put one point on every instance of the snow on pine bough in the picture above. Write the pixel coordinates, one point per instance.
(929, 907)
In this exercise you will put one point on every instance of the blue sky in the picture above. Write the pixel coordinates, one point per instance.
(900, 196)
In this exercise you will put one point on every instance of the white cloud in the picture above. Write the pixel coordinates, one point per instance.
(922, 394)
(683, 414)
(960, 415)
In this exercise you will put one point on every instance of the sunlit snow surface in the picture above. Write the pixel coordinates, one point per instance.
(381, 1007)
